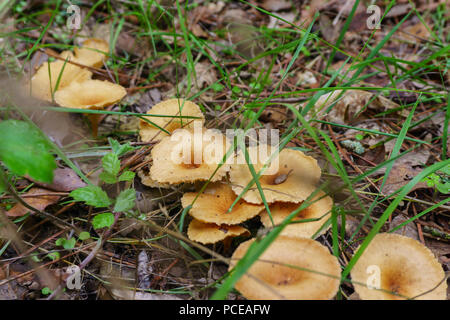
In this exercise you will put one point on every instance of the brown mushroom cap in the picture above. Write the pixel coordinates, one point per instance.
(212, 205)
(318, 209)
(42, 87)
(171, 107)
(207, 233)
(92, 53)
(90, 94)
(406, 266)
(294, 181)
(166, 167)
(277, 273)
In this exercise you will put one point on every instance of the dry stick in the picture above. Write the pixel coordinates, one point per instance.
(36, 195)
(158, 277)
(34, 247)
(63, 209)
(5, 281)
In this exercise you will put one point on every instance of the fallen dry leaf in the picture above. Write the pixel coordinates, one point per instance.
(64, 180)
(38, 202)
(405, 169)
(415, 33)
(348, 106)
(276, 5)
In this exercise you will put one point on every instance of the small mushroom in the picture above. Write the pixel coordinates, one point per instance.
(171, 108)
(92, 53)
(319, 208)
(90, 94)
(188, 158)
(43, 83)
(293, 181)
(405, 267)
(212, 205)
(289, 269)
(208, 233)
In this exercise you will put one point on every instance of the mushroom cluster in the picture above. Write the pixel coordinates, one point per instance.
(295, 265)
(69, 83)
(299, 267)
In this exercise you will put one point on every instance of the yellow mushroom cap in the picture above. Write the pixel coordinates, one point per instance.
(90, 94)
(188, 156)
(289, 269)
(144, 174)
(294, 180)
(405, 266)
(92, 53)
(212, 205)
(42, 87)
(319, 208)
(171, 107)
(207, 233)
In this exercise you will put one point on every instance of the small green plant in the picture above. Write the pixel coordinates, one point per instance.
(53, 256)
(67, 244)
(46, 291)
(440, 180)
(95, 196)
(84, 236)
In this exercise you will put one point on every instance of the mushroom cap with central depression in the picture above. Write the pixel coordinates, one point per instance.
(293, 176)
(406, 269)
(189, 156)
(289, 269)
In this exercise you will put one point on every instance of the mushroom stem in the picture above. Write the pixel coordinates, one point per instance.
(227, 244)
(94, 119)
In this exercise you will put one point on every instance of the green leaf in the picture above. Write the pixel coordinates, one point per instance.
(35, 258)
(46, 291)
(54, 256)
(103, 220)
(217, 87)
(2, 186)
(91, 195)
(118, 148)
(108, 177)
(446, 170)
(125, 201)
(443, 187)
(25, 151)
(69, 243)
(84, 236)
(60, 242)
(127, 176)
(432, 180)
(111, 163)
